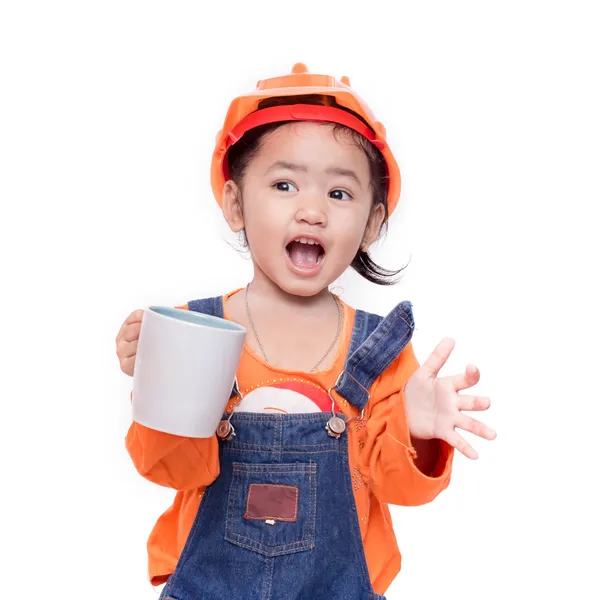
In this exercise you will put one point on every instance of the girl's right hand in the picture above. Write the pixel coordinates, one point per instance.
(127, 341)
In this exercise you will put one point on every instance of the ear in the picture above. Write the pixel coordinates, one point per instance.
(231, 205)
(373, 227)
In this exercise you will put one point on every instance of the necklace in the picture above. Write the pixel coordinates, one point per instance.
(337, 335)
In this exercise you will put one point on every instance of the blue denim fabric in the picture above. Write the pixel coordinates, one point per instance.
(320, 555)
(374, 346)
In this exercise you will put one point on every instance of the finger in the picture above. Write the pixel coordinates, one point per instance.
(437, 359)
(127, 365)
(475, 427)
(467, 379)
(459, 442)
(134, 317)
(127, 349)
(473, 402)
(132, 332)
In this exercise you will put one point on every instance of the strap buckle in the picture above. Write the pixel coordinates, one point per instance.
(337, 381)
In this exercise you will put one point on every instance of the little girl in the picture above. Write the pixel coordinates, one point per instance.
(332, 418)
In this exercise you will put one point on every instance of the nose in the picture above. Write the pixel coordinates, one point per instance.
(312, 211)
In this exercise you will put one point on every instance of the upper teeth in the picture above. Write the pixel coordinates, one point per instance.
(307, 241)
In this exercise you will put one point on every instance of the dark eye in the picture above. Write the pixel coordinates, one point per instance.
(285, 186)
(339, 195)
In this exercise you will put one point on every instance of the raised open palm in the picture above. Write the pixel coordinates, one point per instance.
(434, 406)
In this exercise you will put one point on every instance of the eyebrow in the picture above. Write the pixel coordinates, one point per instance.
(345, 172)
(282, 164)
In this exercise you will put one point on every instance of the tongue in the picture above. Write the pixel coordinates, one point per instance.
(304, 255)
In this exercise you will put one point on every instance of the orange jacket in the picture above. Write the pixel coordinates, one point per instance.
(380, 455)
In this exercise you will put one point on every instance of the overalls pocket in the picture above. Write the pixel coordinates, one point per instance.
(272, 507)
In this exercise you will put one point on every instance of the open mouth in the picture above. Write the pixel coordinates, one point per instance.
(305, 253)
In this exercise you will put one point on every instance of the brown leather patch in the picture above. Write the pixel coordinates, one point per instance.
(276, 502)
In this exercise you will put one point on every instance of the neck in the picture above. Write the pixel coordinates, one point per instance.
(270, 295)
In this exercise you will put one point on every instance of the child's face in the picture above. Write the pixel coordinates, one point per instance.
(304, 183)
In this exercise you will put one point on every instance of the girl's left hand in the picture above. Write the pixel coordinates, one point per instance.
(433, 406)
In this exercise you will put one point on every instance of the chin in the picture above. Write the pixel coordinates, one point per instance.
(303, 287)
(295, 282)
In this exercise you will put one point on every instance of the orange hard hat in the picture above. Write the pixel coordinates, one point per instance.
(244, 114)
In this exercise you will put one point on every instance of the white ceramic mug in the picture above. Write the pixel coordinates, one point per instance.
(184, 370)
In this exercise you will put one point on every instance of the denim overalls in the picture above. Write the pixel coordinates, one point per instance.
(280, 521)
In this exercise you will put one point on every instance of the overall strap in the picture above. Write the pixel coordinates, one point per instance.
(208, 306)
(214, 307)
(376, 342)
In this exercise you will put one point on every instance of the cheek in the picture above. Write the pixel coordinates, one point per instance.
(352, 227)
(262, 214)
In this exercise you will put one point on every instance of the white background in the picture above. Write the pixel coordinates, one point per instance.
(108, 118)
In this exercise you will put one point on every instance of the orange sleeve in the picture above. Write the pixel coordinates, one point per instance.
(387, 456)
(173, 461)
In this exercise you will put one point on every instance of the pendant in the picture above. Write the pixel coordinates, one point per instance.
(225, 431)
(335, 427)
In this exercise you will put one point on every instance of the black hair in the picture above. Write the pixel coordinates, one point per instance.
(240, 154)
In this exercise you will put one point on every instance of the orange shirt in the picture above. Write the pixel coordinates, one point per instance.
(380, 455)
